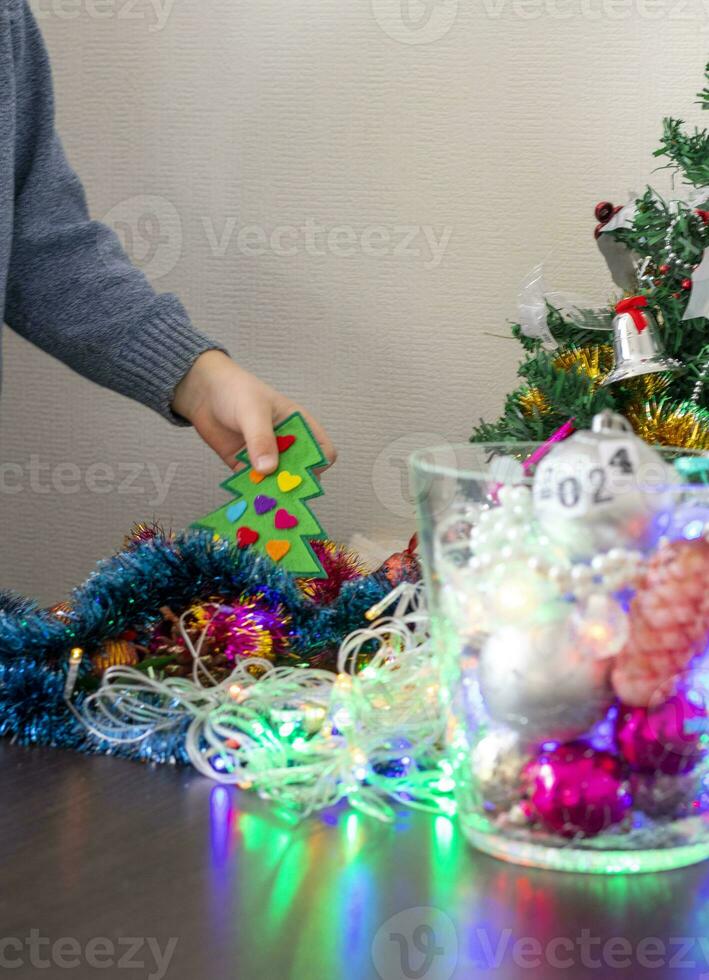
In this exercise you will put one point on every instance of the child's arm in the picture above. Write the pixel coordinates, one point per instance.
(73, 291)
(71, 288)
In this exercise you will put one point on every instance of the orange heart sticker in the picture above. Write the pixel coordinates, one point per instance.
(256, 477)
(288, 481)
(277, 549)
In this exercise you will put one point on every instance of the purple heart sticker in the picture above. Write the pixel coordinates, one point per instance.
(263, 504)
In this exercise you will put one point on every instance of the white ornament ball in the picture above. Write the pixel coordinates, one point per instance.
(601, 489)
(496, 764)
(536, 681)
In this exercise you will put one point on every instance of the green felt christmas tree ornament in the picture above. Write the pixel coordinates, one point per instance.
(270, 513)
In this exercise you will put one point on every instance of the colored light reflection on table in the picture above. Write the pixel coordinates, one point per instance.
(321, 891)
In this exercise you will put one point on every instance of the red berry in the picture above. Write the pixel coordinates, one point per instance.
(603, 211)
(686, 284)
(664, 269)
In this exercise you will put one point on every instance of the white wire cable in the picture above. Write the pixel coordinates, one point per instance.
(304, 737)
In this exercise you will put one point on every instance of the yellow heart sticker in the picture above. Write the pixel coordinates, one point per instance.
(277, 549)
(288, 481)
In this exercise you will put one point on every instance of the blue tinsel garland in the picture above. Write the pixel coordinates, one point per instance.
(127, 591)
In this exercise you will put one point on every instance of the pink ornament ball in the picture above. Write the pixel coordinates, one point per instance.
(667, 738)
(576, 790)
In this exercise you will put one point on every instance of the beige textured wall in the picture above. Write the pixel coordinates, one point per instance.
(488, 128)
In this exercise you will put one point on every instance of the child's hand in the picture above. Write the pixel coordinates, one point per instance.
(231, 408)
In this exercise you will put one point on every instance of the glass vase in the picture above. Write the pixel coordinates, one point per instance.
(574, 659)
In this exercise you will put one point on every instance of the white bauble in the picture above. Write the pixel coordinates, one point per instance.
(496, 765)
(538, 682)
(601, 489)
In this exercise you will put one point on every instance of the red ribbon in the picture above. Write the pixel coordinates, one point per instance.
(634, 305)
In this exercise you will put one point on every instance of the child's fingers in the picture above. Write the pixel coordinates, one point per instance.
(257, 427)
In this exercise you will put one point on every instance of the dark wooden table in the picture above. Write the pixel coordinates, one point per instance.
(100, 856)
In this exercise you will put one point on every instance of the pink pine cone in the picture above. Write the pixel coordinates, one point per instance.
(669, 623)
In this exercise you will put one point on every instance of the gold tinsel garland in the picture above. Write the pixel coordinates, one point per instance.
(655, 419)
(647, 387)
(115, 653)
(669, 424)
(533, 403)
(595, 362)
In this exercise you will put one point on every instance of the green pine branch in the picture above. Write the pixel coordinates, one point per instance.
(687, 152)
(703, 96)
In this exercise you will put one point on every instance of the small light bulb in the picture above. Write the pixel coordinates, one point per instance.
(342, 718)
(359, 763)
(446, 784)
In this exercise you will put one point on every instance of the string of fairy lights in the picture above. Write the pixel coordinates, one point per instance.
(303, 738)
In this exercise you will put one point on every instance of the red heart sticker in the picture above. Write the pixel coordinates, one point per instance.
(246, 536)
(284, 442)
(284, 521)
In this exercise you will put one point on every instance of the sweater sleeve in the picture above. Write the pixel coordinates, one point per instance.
(71, 288)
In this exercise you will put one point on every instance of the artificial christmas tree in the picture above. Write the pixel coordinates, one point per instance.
(270, 513)
(655, 370)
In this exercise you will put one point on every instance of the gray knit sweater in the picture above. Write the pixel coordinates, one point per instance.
(65, 282)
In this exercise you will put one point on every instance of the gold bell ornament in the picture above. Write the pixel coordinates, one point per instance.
(636, 342)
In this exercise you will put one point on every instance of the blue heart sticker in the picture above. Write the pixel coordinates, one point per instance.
(236, 510)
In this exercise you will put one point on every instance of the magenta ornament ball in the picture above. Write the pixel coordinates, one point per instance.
(576, 790)
(666, 738)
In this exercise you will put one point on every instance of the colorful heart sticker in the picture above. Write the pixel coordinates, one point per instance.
(263, 504)
(284, 521)
(277, 549)
(236, 510)
(288, 481)
(284, 442)
(256, 477)
(246, 536)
